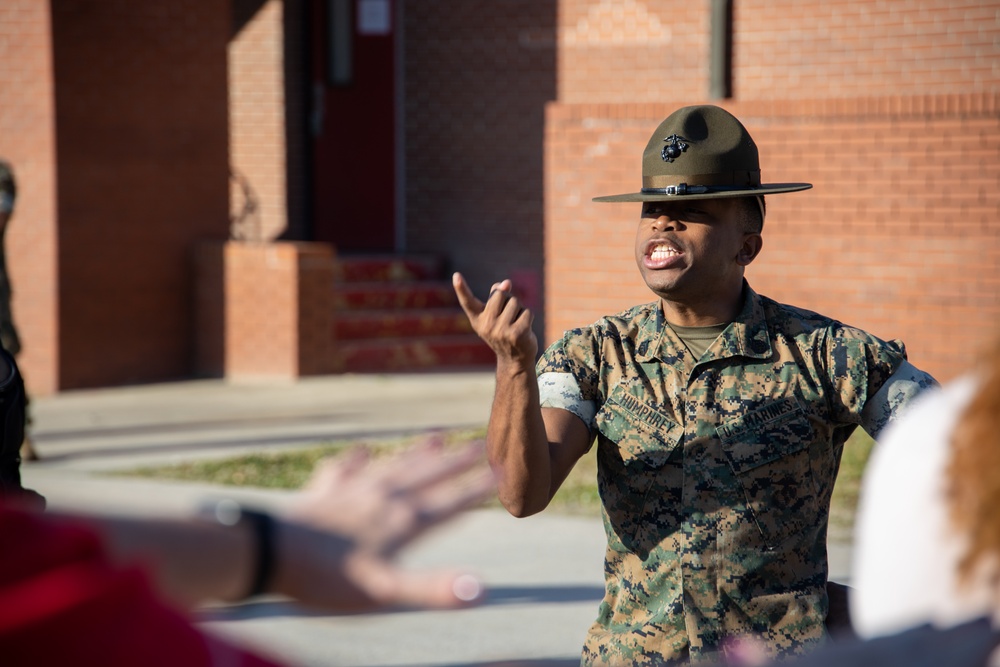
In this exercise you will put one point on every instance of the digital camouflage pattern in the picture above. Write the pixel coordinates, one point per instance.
(715, 474)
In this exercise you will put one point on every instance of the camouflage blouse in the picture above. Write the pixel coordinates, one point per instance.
(715, 474)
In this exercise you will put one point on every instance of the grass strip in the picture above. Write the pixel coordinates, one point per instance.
(578, 495)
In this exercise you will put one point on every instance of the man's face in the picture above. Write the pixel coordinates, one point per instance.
(693, 252)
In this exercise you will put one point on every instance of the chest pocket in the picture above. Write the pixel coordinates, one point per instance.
(643, 434)
(635, 474)
(768, 450)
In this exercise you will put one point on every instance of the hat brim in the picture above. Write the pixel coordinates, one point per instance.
(768, 189)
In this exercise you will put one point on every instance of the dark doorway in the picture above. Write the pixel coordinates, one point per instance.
(353, 123)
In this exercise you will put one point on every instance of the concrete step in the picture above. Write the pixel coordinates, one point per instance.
(368, 324)
(400, 314)
(389, 268)
(387, 295)
(411, 354)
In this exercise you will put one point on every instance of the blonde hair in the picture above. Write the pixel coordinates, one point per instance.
(974, 473)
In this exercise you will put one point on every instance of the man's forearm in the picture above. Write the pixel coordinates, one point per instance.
(516, 441)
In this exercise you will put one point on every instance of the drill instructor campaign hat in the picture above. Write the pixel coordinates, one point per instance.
(701, 152)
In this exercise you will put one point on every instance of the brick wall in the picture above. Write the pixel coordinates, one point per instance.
(859, 48)
(631, 50)
(477, 77)
(141, 122)
(27, 142)
(136, 139)
(655, 51)
(898, 235)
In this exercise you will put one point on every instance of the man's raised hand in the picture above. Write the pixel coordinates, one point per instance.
(502, 321)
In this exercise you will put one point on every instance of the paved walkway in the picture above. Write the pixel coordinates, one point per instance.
(544, 573)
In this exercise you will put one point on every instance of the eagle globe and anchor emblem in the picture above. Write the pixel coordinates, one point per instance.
(676, 145)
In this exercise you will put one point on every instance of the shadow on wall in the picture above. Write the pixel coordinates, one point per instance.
(294, 81)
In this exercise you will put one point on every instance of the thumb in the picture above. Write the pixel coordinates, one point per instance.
(472, 306)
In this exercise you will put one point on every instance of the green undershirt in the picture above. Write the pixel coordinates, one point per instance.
(698, 339)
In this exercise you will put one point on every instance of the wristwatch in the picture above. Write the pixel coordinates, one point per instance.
(232, 514)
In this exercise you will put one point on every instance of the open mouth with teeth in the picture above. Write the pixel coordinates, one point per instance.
(661, 254)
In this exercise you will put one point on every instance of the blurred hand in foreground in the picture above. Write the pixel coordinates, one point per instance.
(339, 541)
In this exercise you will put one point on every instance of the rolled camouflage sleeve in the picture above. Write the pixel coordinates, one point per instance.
(567, 375)
(890, 402)
(561, 390)
(873, 381)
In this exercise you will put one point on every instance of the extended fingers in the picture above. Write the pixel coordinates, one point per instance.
(338, 469)
(499, 295)
(514, 311)
(503, 287)
(428, 464)
(442, 503)
(423, 489)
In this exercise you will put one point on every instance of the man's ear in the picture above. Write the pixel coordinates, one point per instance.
(752, 243)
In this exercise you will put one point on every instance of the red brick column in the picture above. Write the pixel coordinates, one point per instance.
(265, 310)
(28, 142)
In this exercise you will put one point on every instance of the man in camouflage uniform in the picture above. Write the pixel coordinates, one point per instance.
(719, 414)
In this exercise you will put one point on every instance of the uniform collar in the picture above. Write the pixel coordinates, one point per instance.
(746, 336)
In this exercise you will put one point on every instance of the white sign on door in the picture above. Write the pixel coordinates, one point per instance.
(374, 17)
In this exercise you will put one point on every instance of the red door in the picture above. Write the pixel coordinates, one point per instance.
(353, 124)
